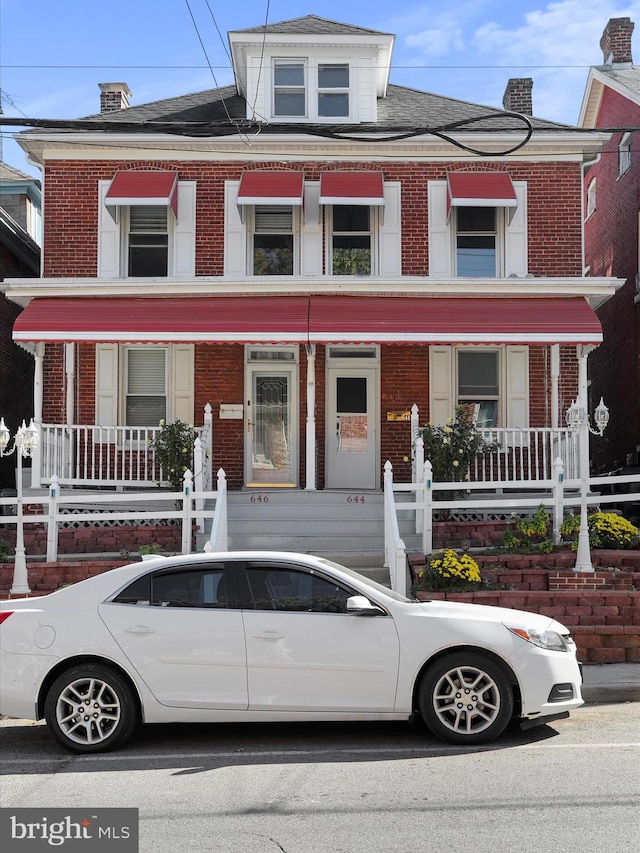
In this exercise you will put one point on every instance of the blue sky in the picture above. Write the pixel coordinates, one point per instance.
(54, 55)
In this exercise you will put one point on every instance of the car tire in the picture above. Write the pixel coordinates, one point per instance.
(465, 698)
(91, 708)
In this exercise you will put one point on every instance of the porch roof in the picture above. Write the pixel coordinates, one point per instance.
(311, 319)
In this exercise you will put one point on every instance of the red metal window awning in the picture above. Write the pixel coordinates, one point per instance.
(283, 187)
(351, 188)
(480, 189)
(130, 187)
(311, 319)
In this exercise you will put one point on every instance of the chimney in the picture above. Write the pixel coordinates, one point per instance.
(114, 96)
(616, 41)
(517, 96)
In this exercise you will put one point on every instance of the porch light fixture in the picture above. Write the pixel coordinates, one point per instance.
(578, 421)
(24, 443)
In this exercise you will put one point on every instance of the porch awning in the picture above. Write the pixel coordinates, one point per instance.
(311, 319)
(351, 188)
(131, 187)
(281, 187)
(480, 189)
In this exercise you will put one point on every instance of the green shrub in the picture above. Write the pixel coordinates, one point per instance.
(452, 448)
(535, 534)
(606, 530)
(173, 450)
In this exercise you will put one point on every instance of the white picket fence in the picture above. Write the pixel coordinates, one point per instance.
(61, 507)
(557, 493)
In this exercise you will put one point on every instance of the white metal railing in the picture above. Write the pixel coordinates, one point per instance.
(523, 454)
(395, 553)
(89, 455)
(181, 506)
(557, 493)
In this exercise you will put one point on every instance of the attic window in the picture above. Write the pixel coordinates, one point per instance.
(289, 88)
(333, 90)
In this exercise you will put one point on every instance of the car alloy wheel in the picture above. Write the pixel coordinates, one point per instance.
(466, 698)
(91, 708)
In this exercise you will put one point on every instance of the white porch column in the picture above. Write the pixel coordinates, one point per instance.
(310, 484)
(70, 375)
(38, 397)
(555, 378)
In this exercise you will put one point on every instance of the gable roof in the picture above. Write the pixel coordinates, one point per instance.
(623, 79)
(310, 25)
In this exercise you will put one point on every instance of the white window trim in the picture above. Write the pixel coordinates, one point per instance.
(291, 60)
(112, 238)
(442, 234)
(111, 382)
(312, 90)
(250, 220)
(125, 234)
(591, 198)
(624, 154)
(499, 234)
(375, 223)
(513, 377)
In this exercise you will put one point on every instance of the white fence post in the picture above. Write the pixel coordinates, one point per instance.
(558, 499)
(52, 521)
(399, 583)
(187, 490)
(388, 486)
(198, 480)
(208, 444)
(419, 479)
(427, 529)
(415, 432)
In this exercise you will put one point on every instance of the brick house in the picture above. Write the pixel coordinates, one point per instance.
(309, 251)
(612, 228)
(20, 226)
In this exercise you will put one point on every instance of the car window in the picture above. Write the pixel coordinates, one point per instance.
(292, 589)
(194, 587)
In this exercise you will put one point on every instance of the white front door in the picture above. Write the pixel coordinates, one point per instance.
(271, 446)
(352, 428)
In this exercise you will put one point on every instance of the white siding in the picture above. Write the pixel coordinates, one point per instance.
(311, 236)
(182, 382)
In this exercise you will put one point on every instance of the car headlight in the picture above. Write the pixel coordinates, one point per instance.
(545, 639)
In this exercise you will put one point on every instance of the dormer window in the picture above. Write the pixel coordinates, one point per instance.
(333, 90)
(289, 88)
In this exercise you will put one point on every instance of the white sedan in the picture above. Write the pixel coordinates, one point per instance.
(269, 636)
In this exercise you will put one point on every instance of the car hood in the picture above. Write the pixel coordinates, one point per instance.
(485, 613)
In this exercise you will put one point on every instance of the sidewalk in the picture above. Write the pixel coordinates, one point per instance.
(611, 682)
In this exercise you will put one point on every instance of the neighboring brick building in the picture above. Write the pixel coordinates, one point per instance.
(20, 203)
(302, 252)
(612, 228)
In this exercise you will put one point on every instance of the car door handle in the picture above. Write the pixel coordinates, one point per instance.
(269, 635)
(140, 629)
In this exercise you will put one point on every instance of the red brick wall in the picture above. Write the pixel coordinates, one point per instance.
(611, 249)
(70, 226)
(605, 625)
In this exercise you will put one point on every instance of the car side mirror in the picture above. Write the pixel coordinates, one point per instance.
(360, 605)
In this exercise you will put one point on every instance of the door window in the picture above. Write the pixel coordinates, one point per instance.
(291, 589)
(198, 587)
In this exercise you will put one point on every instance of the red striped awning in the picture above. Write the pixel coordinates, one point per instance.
(351, 188)
(130, 187)
(311, 319)
(284, 187)
(480, 189)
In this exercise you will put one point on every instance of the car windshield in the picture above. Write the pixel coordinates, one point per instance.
(378, 587)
